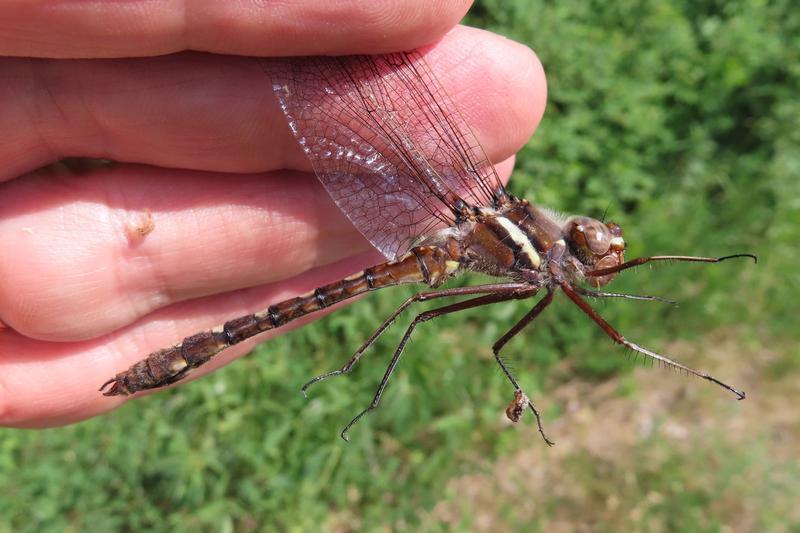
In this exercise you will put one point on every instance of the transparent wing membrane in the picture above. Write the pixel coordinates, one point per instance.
(386, 142)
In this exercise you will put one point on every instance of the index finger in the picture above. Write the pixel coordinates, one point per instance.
(90, 29)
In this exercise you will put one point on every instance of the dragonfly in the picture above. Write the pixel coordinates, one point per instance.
(400, 161)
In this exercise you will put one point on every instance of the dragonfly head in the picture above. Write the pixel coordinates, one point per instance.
(596, 244)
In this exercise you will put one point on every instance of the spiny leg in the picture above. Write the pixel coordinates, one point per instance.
(619, 339)
(525, 292)
(502, 341)
(494, 288)
(600, 294)
(684, 258)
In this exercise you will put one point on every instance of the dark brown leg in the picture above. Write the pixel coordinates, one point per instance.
(526, 292)
(619, 339)
(599, 294)
(502, 341)
(642, 260)
(495, 288)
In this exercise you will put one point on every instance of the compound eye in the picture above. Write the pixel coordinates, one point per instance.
(591, 236)
(614, 229)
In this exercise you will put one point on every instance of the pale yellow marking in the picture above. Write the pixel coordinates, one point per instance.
(521, 240)
(412, 277)
(262, 314)
(618, 243)
(306, 295)
(451, 266)
(218, 329)
(354, 277)
(178, 365)
(405, 256)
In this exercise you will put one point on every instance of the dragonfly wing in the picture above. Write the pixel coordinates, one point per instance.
(386, 142)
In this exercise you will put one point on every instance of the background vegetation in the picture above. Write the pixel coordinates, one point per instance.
(681, 119)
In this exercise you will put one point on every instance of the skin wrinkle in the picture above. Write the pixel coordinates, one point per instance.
(49, 109)
(102, 133)
(38, 107)
(44, 79)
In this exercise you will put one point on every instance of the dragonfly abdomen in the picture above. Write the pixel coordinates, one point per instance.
(423, 264)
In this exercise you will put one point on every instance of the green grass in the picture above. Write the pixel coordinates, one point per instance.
(681, 118)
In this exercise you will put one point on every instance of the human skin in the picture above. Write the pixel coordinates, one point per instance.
(238, 221)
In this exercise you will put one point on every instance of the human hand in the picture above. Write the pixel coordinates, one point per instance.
(237, 219)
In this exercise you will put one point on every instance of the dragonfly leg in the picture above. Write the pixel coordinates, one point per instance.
(495, 288)
(519, 326)
(617, 337)
(685, 258)
(625, 296)
(521, 291)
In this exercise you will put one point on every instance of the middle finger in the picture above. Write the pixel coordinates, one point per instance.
(208, 112)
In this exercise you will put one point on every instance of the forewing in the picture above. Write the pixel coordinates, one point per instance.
(386, 142)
